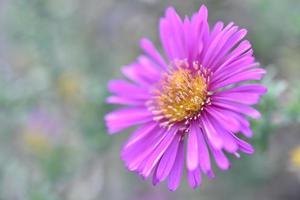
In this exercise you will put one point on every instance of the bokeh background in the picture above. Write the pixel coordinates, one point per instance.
(56, 57)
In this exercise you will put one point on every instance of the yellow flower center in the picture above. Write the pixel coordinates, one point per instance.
(295, 157)
(182, 94)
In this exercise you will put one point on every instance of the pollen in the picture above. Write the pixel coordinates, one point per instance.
(182, 94)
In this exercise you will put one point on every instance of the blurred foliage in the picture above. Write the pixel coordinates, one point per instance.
(271, 109)
(293, 106)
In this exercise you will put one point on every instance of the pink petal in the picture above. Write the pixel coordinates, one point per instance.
(172, 35)
(237, 107)
(129, 90)
(204, 159)
(150, 49)
(158, 152)
(192, 160)
(210, 132)
(135, 155)
(221, 160)
(125, 101)
(127, 117)
(176, 172)
(194, 178)
(229, 143)
(141, 133)
(168, 159)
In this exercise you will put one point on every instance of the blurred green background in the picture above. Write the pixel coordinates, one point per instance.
(55, 59)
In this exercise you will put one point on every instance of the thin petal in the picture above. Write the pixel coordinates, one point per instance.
(135, 155)
(150, 49)
(194, 177)
(231, 38)
(252, 74)
(224, 120)
(204, 159)
(229, 143)
(221, 160)
(244, 146)
(144, 71)
(126, 117)
(129, 90)
(158, 152)
(172, 35)
(211, 133)
(176, 172)
(125, 101)
(168, 159)
(237, 107)
(192, 160)
(141, 133)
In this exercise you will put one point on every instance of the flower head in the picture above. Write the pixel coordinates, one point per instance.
(194, 102)
(295, 157)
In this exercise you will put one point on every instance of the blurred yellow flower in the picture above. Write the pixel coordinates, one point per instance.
(295, 157)
(35, 141)
(69, 86)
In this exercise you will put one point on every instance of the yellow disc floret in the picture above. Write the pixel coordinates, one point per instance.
(182, 94)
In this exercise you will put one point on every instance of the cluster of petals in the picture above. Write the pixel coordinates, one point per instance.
(164, 152)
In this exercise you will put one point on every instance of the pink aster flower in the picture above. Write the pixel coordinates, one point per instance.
(190, 106)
